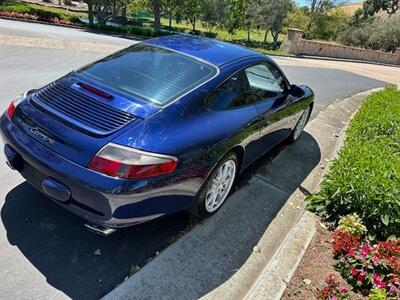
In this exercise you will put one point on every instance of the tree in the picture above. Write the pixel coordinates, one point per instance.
(251, 17)
(192, 10)
(156, 8)
(159, 8)
(214, 12)
(324, 5)
(371, 7)
(235, 15)
(327, 26)
(90, 11)
(298, 19)
(271, 14)
(103, 10)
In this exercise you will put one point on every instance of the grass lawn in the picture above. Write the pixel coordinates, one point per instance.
(240, 36)
(365, 178)
(57, 10)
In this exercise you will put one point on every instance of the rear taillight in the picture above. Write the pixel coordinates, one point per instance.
(124, 162)
(14, 103)
(11, 109)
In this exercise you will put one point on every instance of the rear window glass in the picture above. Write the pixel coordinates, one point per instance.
(151, 73)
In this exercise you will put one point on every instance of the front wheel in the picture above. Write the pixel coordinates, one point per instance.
(298, 129)
(216, 188)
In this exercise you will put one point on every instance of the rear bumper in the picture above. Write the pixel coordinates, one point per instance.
(98, 198)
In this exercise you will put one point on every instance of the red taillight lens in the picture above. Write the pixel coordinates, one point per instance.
(123, 162)
(11, 109)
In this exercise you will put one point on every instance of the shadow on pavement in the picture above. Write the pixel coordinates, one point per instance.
(55, 242)
(210, 254)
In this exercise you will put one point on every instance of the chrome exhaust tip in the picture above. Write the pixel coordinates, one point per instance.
(99, 229)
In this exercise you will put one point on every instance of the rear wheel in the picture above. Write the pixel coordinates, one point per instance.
(216, 188)
(298, 129)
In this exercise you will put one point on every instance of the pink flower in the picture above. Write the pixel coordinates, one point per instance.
(343, 289)
(376, 277)
(393, 289)
(333, 297)
(378, 280)
(361, 276)
(354, 272)
(375, 261)
(364, 251)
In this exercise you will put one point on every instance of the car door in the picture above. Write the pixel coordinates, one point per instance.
(271, 89)
(235, 114)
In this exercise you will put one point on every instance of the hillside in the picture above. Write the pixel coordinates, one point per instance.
(351, 8)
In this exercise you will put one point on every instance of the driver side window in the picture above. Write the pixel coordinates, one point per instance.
(232, 93)
(248, 86)
(265, 81)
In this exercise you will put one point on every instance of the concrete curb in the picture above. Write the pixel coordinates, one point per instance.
(201, 263)
(275, 277)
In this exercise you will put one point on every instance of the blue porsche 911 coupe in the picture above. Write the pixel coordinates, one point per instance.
(165, 125)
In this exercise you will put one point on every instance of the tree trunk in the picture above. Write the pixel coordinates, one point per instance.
(90, 12)
(248, 34)
(275, 41)
(193, 24)
(157, 15)
(170, 21)
(266, 34)
(114, 10)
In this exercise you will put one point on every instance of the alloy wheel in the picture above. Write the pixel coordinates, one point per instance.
(220, 185)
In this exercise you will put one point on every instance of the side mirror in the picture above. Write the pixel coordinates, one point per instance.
(296, 91)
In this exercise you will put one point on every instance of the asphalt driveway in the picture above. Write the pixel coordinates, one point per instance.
(45, 251)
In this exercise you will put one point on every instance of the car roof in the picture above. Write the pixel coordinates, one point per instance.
(213, 51)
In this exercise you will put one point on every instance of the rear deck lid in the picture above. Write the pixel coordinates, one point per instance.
(75, 117)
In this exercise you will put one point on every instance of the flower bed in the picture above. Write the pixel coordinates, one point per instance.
(26, 16)
(369, 267)
(37, 14)
(363, 185)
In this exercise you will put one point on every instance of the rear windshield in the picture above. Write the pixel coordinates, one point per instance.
(154, 74)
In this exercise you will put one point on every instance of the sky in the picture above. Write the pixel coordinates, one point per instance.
(305, 2)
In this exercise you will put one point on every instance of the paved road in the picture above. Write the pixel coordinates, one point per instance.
(45, 252)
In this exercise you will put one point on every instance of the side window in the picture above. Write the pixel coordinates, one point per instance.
(265, 81)
(231, 93)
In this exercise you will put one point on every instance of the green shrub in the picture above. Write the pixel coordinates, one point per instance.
(142, 31)
(365, 178)
(377, 294)
(377, 33)
(327, 26)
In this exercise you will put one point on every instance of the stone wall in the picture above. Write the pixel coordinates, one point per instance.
(295, 44)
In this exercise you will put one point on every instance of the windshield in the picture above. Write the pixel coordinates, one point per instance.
(151, 73)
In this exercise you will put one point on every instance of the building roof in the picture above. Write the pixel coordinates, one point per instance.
(213, 51)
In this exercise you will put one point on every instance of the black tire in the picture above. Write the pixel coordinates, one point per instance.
(198, 208)
(293, 137)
